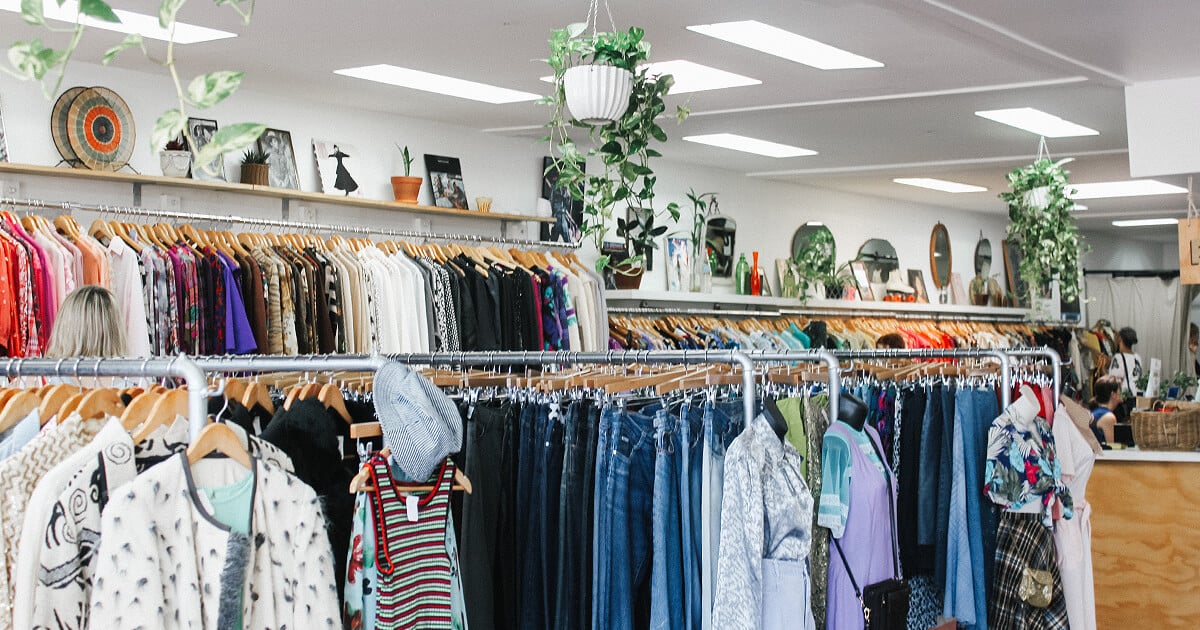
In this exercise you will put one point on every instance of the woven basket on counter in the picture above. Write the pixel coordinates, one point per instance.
(1166, 430)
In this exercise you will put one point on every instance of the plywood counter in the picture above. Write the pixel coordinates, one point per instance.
(1146, 539)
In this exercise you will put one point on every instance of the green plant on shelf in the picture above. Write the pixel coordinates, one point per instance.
(408, 160)
(814, 262)
(35, 60)
(623, 147)
(255, 156)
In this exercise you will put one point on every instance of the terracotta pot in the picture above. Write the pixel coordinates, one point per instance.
(628, 277)
(406, 189)
(256, 174)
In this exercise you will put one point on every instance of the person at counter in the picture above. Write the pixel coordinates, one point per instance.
(1126, 364)
(1107, 398)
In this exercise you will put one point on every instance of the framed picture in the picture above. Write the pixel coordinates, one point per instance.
(446, 181)
(334, 162)
(567, 212)
(679, 262)
(863, 280)
(1012, 266)
(916, 280)
(958, 294)
(202, 130)
(281, 158)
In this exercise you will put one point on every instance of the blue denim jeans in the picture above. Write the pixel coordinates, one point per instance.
(626, 544)
(548, 527)
(574, 508)
(691, 485)
(533, 578)
(666, 584)
(600, 514)
(722, 423)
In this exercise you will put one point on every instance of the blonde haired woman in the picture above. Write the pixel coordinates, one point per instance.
(88, 325)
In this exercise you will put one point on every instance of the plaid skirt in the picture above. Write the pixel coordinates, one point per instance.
(1022, 541)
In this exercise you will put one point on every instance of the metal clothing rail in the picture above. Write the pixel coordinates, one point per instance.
(71, 206)
(934, 353)
(998, 318)
(173, 367)
(823, 356)
(1055, 362)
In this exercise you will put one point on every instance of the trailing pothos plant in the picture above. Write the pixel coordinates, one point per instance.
(623, 147)
(1041, 225)
(34, 60)
(814, 262)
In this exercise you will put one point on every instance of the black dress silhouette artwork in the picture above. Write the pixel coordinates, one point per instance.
(344, 181)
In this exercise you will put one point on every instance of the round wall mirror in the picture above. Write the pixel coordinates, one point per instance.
(880, 259)
(939, 256)
(812, 235)
(720, 234)
(983, 257)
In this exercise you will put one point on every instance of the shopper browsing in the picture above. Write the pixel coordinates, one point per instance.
(1107, 398)
(1127, 365)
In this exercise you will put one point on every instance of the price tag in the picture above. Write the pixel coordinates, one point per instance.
(410, 503)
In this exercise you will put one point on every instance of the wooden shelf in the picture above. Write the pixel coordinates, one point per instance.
(257, 191)
(724, 301)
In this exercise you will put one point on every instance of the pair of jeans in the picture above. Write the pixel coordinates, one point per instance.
(722, 423)
(691, 485)
(530, 487)
(600, 514)
(548, 525)
(572, 608)
(486, 555)
(666, 585)
(623, 597)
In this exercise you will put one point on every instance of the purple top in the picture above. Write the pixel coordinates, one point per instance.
(239, 336)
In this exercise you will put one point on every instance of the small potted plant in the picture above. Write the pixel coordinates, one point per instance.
(255, 169)
(406, 188)
(640, 234)
(835, 282)
(175, 159)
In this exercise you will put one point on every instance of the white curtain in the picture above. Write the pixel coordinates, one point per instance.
(1157, 309)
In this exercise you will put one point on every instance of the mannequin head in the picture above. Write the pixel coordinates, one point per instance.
(852, 411)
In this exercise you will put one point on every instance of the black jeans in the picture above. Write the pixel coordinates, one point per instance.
(487, 551)
(573, 608)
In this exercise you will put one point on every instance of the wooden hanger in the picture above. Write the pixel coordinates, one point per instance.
(7, 393)
(217, 437)
(235, 389)
(100, 230)
(67, 226)
(17, 408)
(359, 482)
(53, 399)
(69, 406)
(138, 410)
(172, 404)
(331, 396)
(258, 394)
(100, 403)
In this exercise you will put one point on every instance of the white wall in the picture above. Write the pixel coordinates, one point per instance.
(1112, 253)
(507, 169)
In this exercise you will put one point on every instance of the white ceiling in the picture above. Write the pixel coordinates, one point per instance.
(944, 59)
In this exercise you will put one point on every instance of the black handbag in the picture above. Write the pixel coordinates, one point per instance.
(884, 604)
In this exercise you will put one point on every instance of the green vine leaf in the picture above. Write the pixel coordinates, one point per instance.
(168, 126)
(32, 12)
(33, 60)
(209, 89)
(130, 41)
(98, 9)
(229, 139)
(167, 12)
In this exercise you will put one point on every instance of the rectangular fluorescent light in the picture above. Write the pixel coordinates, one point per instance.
(140, 23)
(1038, 122)
(1145, 222)
(692, 77)
(939, 184)
(437, 83)
(749, 145)
(1131, 188)
(1079, 206)
(781, 43)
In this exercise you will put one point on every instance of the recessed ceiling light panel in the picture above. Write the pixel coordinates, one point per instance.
(1038, 122)
(145, 25)
(437, 83)
(750, 145)
(1145, 222)
(785, 44)
(1130, 188)
(939, 184)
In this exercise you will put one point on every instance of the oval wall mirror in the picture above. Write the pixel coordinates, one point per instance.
(815, 234)
(983, 256)
(880, 259)
(720, 233)
(940, 260)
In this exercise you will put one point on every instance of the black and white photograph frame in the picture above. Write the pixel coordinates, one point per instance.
(446, 181)
(567, 212)
(334, 163)
(202, 131)
(281, 158)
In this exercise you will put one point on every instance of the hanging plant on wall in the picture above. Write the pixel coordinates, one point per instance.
(34, 60)
(1041, 224)
(623, 146)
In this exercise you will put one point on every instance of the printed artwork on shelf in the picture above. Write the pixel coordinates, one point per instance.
(446, 181)
(567, 212)
(1017, 288)
(202, 130)
(277, 144)
(334, 161)
(916, 280)
(958, 294)
(3, 139)
(862, 280)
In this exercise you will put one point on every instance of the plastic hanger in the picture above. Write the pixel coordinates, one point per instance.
(217, 437)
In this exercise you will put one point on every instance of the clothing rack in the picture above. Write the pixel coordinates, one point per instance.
(935, 353)
(107, 209)
(698, 312)
(1056, 363)
(168, 367)
(1009, 318)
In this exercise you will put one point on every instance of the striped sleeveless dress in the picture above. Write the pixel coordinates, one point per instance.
(414, 566)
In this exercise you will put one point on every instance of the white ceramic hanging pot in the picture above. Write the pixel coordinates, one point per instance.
(597, 95)
(1038, 197)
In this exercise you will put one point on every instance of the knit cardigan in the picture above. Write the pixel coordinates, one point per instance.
(164, 562)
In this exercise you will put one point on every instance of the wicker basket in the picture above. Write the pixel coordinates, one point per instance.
(1166, 430)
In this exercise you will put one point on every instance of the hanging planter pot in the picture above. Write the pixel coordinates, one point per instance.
(1038, 197)
(597, 94)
